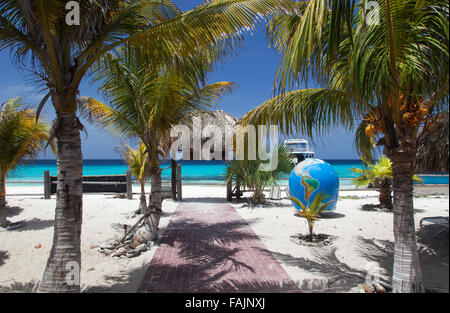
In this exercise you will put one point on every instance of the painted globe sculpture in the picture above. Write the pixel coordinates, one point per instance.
(311, 177)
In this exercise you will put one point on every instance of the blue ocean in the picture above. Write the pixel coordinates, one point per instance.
(193, 172)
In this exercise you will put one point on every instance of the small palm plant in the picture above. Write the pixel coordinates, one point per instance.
(248, 173)
(379, 175)
(137, 160)
(311, 212)
(20, 137)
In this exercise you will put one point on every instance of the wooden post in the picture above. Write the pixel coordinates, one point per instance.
(229, 189)
(179, 186)
(238, 189)
(47, 185)
(129, 186)
(174, 179)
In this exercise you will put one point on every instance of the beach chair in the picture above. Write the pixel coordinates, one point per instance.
(275, 193)
(288, 194)
(437, 220)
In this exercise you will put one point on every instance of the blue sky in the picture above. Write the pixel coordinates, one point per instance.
(253, 71)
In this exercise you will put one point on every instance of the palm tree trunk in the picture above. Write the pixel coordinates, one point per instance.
(156, 191)
(143, 201)
(3, 221)
(407, 274)
(310, 228)
(149, 231)
(62, 273)
(258, 196)
(155, 199)
(385, 196)
(174, 179)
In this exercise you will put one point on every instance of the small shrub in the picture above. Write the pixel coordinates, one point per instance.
(311, 212)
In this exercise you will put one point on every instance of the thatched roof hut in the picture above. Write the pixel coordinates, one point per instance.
(219, 118)
(200, 120)
(432, 146)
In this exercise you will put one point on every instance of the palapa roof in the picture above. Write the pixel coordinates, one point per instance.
(217, 118)
(432, 146)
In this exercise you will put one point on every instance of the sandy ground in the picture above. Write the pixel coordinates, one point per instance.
(22, 265)
(362, 247)
(363, 242)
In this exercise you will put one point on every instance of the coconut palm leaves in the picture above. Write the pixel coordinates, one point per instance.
(311, 212)
(432, 146)
(250, 175)
(380, 176)
(20, 137)
(354, 77)
(374, 174)
(147, 99)
(38, 28)
(137, 160)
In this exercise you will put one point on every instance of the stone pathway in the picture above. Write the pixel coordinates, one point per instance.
(209, 247)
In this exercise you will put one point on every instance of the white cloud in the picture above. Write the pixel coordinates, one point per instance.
(26, 92)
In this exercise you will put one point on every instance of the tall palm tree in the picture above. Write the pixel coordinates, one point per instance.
(146, 100)
(385, 73)
(137, 160)
(60, 55)
(20, 137)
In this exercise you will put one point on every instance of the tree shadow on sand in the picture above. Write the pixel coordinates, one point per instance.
(338, 275)
(36, 224)
(3, 256)
(331, 215)
(17, 287)
(126, 282)
(377, 208)
(33, 224)
(434, 256)
(13, 211)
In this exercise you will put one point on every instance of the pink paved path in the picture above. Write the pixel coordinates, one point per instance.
(209, 247)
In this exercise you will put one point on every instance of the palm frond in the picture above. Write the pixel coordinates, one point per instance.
(20, 136)
(307, 111)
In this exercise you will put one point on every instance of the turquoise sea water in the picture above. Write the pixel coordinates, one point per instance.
(193, 172)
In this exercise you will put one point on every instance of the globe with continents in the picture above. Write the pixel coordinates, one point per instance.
(311, 177)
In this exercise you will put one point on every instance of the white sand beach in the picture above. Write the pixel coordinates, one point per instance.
(363, 240)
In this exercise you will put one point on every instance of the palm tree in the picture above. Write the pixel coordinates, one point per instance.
(386, 74)
(59, 55)
(311, 212)
(20, 137)
(146, 100)
(379, 175)
(137, 160)
(248, 173)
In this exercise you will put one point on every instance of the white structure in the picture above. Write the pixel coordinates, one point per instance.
(299, 149)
